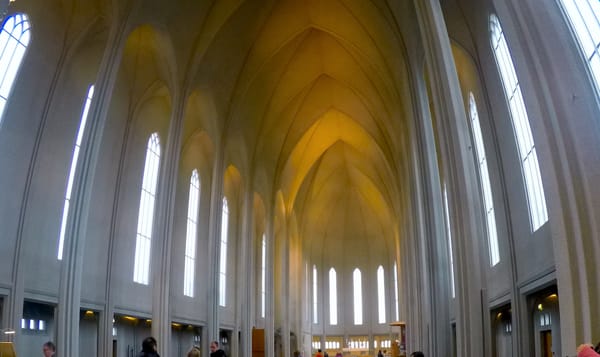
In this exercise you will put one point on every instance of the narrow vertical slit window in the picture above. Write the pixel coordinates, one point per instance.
(263, 276)
(223, 254)
(584, 17)
(141, 267)
(191, 235)
(332, 297)
(357, 294)
(381, 294)
(397, 307)
(536, 200)
(14, 39)
(74, 161)
(315, 301)
(449, 235)
(484, 180)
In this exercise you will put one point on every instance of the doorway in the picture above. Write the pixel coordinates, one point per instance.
(501, 319)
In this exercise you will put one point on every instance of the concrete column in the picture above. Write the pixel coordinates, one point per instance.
(161, 252)
(214, 231)
(69, 300)
(463, 197)
(245, 273)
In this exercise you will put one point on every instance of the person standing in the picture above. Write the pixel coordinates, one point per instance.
(48, 349)
(194, 352)
(149, 348)
(215, 351)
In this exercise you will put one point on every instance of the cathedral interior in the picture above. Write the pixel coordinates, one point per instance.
(283, 176)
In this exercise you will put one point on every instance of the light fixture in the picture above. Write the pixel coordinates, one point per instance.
(8, 331)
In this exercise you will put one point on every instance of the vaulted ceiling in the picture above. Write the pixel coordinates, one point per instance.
(312, 99)
(315, 98)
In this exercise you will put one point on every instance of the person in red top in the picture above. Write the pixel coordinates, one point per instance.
(319, 353)
(586, 350)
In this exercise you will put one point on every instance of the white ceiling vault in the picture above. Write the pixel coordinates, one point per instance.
(312, 99)
(315, 105)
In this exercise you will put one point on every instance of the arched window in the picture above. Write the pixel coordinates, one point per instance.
(14, 39)
(536, 200)
(223, 254)
(141, 268)
(381, 294)
(74, 161)
(584, 17)
(332, 297)
(263, 276)
(315, 301)
(357, 290)
(191, 235)
(397, 315)
(449, 235)
(484, 180)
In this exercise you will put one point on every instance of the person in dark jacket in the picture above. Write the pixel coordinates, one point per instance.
(149, 348)
(215, 351)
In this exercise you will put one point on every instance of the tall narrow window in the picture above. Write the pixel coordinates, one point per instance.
(397, 307)
(536, 200)
(263, 276)
(190, 238)
(141, 267)
(484, 180)
(14, 39)
(223, 254)
(357, 290)
(381, 294)
(584, 16)
(449, 235)
(332, 297)
(78, 139)
(315, 301)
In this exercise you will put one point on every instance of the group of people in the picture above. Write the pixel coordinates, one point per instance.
(149, 349)
(380, 354)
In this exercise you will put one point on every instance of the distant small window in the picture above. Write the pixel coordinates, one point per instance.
(332, 297)
(223, 254)
(41, 325)
(381, 294)
(191, 235)
(315, 301)
(396, 305)
(263, 277)
(357, 292)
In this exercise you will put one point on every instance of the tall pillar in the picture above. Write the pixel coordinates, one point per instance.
(245, 274)
(270, 303)
(214, 231)
(69, 299)
(463, 196)
(161, 254)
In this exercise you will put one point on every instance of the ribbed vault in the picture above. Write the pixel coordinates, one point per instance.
(317, 112)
